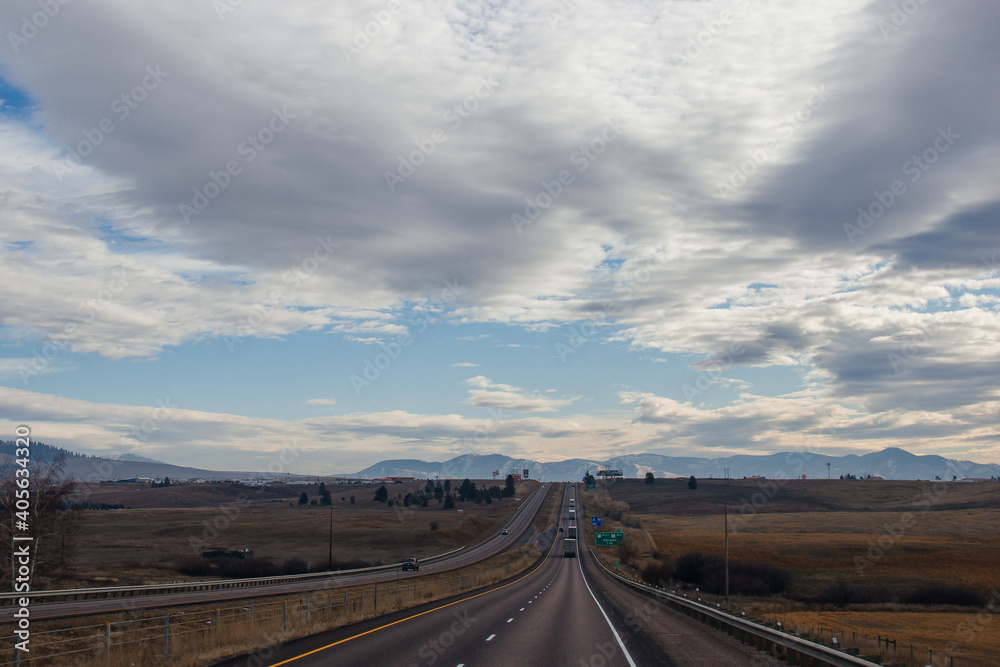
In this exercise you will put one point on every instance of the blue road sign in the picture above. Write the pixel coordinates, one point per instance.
(595, 521)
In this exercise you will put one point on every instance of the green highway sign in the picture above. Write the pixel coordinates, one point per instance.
(609, 539)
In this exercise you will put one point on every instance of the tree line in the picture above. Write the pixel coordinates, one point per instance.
(446, 496)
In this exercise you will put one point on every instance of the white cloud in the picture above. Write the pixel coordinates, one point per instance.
(489, 394)
(644, 243)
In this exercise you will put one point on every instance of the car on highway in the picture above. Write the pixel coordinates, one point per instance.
(410, 564)
(503, 531)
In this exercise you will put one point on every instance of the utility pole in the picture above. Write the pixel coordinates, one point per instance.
(330, 562)
(828, 470)
(725, 514)
(726, 470)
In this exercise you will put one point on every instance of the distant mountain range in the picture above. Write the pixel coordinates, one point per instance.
(892, 463)
(85, 467)
(129, 456)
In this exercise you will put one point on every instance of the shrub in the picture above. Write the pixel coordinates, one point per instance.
(709, 573)
(193, 566)
(631, 521)
(946, 595)
(753, 579)
(435, 525)
(691, 567)
(616, 510)
(843, 592)
(657, 572)
(234, 568)
(629, 549)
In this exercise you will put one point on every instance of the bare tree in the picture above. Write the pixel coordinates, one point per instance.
(52, 526)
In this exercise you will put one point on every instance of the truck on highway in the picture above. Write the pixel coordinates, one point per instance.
(569, 547)
(572, 533)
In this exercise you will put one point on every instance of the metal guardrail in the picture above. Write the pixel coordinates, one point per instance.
(797, 651)
(72, 594)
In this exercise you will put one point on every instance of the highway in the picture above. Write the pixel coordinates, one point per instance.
(519, 527)
(565, 611)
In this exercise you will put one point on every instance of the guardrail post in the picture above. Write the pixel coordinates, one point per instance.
(17, 657)
(307, 611)
(253, 614)
(362, 601)
(375, 599)
(166, 635)
(345, 602)
(284, 614)
(107, 642)
(329, 611)
(218, 623)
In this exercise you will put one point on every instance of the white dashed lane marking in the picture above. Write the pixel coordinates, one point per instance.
(490, 638)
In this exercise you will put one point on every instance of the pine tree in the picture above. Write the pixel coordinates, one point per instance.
(508, 490)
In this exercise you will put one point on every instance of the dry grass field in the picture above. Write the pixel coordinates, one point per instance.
(912, 631)
(892, 537)
(165, 525)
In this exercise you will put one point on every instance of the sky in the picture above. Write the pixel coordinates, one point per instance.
(238, 235)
